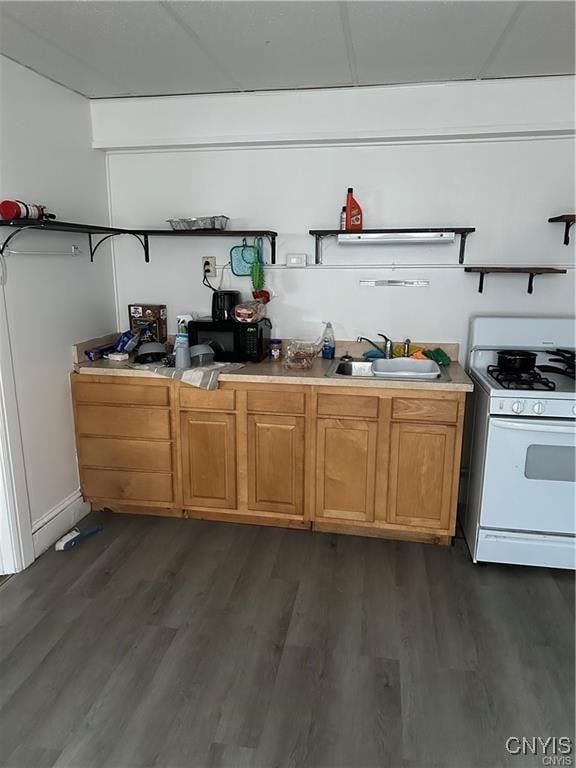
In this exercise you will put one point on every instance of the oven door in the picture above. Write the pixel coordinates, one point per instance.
(529, 476)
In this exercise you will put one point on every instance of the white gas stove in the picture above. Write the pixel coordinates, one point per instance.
(521, 430)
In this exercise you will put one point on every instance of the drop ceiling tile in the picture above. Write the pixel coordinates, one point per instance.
(270, 45)
(396, 42)
(540, 42)
(135, 44)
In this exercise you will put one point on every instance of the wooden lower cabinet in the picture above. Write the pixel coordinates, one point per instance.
(383, 462)
(345, 469)
(275, 463)
(125, 444)
(420, 479)
(208, 450)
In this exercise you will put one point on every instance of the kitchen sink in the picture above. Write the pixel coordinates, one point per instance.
(397, 368)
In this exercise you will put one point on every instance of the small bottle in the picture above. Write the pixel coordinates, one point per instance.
(275, 349)
(353, 211)
(328, 343)
(343, 218)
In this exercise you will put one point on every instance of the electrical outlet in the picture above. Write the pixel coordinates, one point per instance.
(209, 266)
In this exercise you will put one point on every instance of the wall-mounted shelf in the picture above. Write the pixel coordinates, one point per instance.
(567, 219)
(320, 234)
(530, 271)
(142, 235)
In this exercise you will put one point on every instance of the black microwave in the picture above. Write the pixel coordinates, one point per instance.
(232, 342)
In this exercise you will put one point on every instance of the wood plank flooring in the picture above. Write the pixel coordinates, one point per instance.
(188, 644)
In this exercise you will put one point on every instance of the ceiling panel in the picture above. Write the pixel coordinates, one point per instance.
(273, 44)
(107, 49)
(136, 44)
(420, 42)
(25, 47)
(541, 42)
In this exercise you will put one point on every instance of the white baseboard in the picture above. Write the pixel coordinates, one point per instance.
(58, 521)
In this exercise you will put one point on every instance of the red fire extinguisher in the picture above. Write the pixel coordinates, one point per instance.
(18, 209)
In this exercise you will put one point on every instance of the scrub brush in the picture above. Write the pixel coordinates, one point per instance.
(75, 536)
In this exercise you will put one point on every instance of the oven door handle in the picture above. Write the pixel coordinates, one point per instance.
(540, 426)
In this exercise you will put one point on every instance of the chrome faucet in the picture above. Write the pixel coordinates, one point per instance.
(407, 348)
(385, 349)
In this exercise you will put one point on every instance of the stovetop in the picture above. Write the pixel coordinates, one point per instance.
(550, 389)
(553, 376)
(531, 380)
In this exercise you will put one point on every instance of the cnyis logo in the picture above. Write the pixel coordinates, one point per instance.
(554, 750)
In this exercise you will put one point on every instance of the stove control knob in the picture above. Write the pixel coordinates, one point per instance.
(517, 406)
(574, 410)
(538, 407)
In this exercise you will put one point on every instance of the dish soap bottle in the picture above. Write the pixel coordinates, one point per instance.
(353, 211)
(328, 343)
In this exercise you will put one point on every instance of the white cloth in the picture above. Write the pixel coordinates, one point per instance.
(201, 376)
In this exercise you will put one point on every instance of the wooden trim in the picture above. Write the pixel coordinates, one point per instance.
(457, 461)
(382, 460)
(253, 518)
(242, 450)
(380, 532)
(135, 509)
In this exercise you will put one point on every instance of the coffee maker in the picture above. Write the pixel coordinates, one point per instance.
(222, 304)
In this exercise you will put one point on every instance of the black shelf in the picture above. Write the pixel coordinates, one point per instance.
(142, 235)
(531, 271)
(567, 219)
(320, 234)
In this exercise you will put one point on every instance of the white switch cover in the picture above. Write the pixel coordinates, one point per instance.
(296, 260)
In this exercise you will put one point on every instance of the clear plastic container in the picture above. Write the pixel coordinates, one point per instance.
(300, 354)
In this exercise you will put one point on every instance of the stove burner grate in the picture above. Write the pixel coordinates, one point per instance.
(530, 380)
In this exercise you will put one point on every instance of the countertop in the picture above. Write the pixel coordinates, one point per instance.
(273, 372)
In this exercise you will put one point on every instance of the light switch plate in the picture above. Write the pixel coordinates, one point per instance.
(295, 259)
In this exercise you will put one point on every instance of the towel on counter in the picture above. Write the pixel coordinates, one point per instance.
(202, 376)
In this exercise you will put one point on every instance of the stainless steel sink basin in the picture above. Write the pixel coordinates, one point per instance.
(360, 368)
(398, 368)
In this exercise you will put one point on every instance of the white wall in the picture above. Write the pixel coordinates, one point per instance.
(52, 301)
(507, 188)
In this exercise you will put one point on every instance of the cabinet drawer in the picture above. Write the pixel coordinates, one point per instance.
(126, 486)
(348, 405)
(213, 400)
(276, 402)
(138, 394)
(118, 421)
(124, 454)
(420, 409)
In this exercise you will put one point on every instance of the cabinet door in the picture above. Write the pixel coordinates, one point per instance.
(346, 469)
(421, 467)
(276, 463)
(208, 443)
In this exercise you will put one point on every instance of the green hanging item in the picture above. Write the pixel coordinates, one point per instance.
(257, 268)
(242, 257)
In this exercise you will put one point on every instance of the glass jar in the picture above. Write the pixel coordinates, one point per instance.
(275, 349)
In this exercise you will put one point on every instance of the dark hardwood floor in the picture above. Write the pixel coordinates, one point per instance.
(181, 643)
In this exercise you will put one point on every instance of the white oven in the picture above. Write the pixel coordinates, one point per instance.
(520, 496)
(530, 476)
